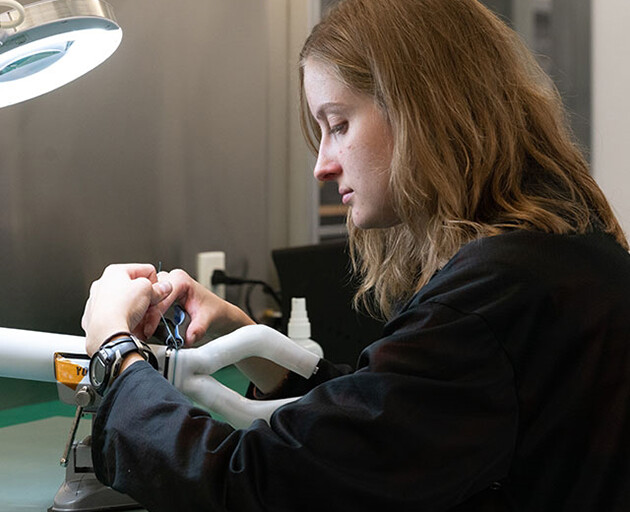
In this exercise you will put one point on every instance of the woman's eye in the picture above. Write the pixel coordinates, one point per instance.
(338, 128)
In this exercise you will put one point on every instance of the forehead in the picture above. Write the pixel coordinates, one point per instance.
(321, 78)
(323, 87)
(316, 71)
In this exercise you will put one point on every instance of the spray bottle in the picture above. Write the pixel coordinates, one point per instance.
(299, 328)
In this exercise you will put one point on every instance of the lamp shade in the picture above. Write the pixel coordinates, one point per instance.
(58, 41)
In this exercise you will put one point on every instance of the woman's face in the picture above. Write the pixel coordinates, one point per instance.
(355, 149)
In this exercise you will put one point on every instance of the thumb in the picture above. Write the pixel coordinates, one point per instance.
(161, 290)
(196, 330)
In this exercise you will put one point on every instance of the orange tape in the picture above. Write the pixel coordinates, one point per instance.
(71, 370)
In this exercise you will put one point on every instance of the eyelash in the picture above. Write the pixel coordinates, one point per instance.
(338, 128)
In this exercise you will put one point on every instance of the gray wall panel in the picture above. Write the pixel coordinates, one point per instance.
(158, 154)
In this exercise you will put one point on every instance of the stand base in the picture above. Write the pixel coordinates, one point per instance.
(87, 494)
(82, 492)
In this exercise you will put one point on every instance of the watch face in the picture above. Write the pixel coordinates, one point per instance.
(98, 371)
(105, 364)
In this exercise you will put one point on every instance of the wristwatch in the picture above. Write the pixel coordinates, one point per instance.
(105, 364)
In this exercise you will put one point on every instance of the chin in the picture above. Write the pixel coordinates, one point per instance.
(374, 223)
(361, 223)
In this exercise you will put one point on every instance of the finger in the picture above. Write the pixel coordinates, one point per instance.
(177, 281)
(160, 291)
(142, 286)
(135, 270)
(179, 278)
(191, 336)
(146, 270)
(151, 321)
(196, 330)
(138, 332)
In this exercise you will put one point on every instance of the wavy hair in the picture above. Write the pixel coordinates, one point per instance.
(481, 138)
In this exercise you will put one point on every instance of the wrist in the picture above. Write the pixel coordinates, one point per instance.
(98, 338)
(225, 318)
(128, 360)
(237, 318)
(115, 355)
(118, 335)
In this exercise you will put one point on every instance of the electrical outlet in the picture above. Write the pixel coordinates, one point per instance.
(207, 263)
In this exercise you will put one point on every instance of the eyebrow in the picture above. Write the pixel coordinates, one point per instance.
(330, 106)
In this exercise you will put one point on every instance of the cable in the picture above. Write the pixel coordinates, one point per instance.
(220, 277)
(20, 10)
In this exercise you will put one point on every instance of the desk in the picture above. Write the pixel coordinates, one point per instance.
(32, 439)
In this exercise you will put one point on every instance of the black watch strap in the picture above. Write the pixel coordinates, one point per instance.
(106, 362)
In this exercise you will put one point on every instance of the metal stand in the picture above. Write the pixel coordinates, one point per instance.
(82, 492)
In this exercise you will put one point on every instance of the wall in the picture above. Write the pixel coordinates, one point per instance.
(292, 192)
(158, 154)
(611, 102)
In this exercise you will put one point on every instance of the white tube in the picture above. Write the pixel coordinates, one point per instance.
(30, 354)
(249, 341)
(237, 410)
(190, 368)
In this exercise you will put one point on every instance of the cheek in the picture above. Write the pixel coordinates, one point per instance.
(356, 155)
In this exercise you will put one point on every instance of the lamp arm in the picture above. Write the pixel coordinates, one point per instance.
(20, 11)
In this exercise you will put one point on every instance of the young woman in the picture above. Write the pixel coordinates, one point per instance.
(502, 380)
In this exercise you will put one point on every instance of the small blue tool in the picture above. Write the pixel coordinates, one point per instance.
(175, 339)
(172, 337)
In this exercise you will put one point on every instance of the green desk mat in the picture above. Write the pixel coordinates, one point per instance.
(229, 376)
(32, 438)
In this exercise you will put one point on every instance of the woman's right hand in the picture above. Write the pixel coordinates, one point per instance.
(208, 312)
(211, 314)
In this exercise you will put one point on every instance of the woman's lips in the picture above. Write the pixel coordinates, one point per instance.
(346, 195)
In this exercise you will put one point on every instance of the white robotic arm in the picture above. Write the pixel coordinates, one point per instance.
(45, 356)
(61, 358)
(190, 369)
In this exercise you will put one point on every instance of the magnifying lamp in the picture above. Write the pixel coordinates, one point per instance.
(49, 43)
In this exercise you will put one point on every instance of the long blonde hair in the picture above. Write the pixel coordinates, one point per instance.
(481, 139)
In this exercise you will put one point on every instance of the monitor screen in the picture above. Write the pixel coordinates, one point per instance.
(322, 275)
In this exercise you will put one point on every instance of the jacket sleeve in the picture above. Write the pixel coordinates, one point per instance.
(296, 385)
(427, 421)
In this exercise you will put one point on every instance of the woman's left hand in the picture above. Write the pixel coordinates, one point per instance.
(119, 301)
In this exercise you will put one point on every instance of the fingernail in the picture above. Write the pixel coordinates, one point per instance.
(165, 288)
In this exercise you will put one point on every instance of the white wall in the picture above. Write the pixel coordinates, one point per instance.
(611, 103)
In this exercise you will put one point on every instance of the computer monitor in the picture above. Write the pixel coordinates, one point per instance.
(321, 274)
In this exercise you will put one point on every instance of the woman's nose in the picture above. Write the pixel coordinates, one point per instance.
(326, 168)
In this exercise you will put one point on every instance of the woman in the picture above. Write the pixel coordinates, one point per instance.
(501, 381)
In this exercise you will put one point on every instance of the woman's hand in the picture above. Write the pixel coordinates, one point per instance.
(210, 313)
(119, 301)
(207, 311)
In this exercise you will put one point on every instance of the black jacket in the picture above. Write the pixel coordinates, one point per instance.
(503, 385)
